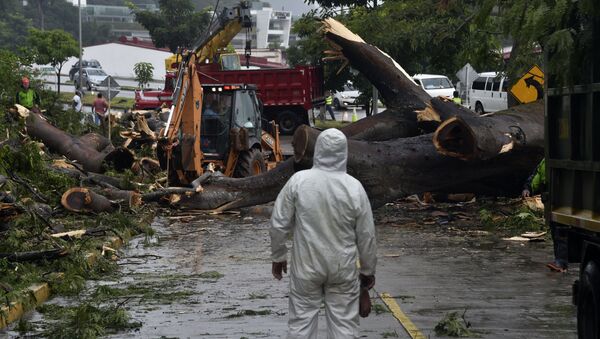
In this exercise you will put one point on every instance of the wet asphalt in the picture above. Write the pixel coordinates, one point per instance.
(502, 287)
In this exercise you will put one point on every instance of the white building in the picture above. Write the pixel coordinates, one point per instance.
(271, 29)
(118, 58)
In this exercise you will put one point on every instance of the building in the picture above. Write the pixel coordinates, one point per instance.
(118, 58)
(271, 28)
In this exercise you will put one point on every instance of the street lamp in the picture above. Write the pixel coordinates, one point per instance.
(80, 44)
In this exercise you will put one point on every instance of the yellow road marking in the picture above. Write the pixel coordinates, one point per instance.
(408, 325)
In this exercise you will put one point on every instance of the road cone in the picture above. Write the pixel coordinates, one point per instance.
(345, 116)
(354, 115)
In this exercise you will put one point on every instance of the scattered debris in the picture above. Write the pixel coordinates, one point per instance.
(453, 326)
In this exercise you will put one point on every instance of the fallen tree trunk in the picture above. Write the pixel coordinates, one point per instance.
(397, 168)
(222, 193)
(485, 137)
(73, 148)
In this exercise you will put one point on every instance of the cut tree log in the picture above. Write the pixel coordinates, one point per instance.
(131, 198)
(81, 199)
(485, 137)
(73, 148)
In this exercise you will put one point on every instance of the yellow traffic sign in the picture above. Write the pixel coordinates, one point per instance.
(530, 87)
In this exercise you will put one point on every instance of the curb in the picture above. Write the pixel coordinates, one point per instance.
(41, 292)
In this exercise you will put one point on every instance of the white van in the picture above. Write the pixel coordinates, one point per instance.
(488, 93)
(435, 85)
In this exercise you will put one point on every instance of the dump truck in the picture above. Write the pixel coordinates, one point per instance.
(573, 174)
(287, 94)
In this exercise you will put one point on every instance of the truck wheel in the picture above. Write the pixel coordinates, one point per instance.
(250, 163)
(588, 305)
(287, 121)
(336, 104)
(479, 108)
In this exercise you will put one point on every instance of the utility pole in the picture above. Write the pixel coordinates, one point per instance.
(80, 45)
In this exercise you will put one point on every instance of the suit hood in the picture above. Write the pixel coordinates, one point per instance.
(331, 151)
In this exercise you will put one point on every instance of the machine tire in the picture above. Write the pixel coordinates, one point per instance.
(250, 163)
(336, 104)
(479, 108)
(588, 303)
(288, 122)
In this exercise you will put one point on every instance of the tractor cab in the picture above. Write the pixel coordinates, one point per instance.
(231, 121)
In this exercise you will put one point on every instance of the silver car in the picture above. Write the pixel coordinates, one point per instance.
(90, 78)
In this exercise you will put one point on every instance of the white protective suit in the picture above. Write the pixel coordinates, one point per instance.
(330, 216)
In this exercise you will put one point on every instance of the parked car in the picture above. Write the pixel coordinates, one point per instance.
(488, 93)
(435, 85)
(90, 78)
(92, 63)
(346, 97)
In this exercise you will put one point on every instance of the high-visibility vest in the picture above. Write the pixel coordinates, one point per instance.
(329, 100)
(457, 100)
(26, 97)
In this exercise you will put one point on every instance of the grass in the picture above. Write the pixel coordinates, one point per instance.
(88, 99)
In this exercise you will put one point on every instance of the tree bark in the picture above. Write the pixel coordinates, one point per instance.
(395, 85)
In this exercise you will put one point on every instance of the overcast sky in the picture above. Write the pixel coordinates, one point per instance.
(297, 7)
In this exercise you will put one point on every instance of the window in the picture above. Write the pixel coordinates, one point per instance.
(479, 84)
(245, 110)
(505, 85)
(496, 84)
(436, 83)
(488, 85)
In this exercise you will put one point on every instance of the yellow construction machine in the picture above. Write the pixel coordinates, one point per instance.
(216, 126)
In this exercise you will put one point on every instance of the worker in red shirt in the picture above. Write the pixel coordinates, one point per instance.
(99, 108)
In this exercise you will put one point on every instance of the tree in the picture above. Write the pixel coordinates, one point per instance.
(425, 36)
(143, 73)
(558, 27)
(13, 25)
(175, 26)
(52, 47)
(11, 79)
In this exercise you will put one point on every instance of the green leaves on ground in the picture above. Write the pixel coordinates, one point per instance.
(86, 320)
(453, 326)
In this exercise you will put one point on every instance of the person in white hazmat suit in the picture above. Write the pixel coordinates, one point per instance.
(329, 214)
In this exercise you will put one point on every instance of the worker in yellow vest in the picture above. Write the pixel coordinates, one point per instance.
(27, 96)
(329, 104)
(456, 98)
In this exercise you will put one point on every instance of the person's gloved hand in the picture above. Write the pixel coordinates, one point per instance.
(367, 281)
(277, 268)
(525, 193)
